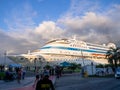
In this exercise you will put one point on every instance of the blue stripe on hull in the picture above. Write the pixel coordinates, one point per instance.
(73, 49)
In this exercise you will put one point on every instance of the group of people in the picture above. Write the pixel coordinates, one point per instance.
(20, 73)
(58, 71)
(42, 81)
(2, 67)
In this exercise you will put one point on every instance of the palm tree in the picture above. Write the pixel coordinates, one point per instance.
(109, 56)
(113, 56)
(118, 55)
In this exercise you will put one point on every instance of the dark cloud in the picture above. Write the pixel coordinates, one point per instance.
(14, 45)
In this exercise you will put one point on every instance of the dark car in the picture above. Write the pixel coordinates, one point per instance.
(117, 73)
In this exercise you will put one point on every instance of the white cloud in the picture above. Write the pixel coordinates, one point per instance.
(21, 18)
(92, 26)
(49, 29)
(80, 20)
(30, 39)
(79, 7)
(84, 24)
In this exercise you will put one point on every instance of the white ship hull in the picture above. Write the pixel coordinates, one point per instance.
(71, 50)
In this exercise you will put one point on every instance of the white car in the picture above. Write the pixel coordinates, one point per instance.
(117, 73)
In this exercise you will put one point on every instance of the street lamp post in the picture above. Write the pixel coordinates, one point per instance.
(35, 64)
(5, 57)
(82, 58)
(92, 67)
(5, 53)
(83, 69)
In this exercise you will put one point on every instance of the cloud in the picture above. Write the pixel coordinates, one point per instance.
(44, 31)
(23, 33)
(8, 43)
(79, 7)
(30, 39)
(49, 29)
(82, 19)
(92, 26)
(20, 18)
(85, 23)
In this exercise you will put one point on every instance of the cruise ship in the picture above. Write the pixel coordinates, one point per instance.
(70, 50)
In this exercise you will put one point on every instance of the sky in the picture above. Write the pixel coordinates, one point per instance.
(29, 24)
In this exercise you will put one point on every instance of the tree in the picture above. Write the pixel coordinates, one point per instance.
(99, 66)
(73, 66)
(47, 66)
(113, 56)
(118, 55)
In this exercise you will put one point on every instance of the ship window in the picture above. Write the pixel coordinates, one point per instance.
(21, 58)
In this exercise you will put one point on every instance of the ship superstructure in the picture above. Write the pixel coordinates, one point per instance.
(72, 50)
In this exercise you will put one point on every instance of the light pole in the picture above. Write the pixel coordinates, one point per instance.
(5, 53)
(92, 67)
(82, 58)
(4, 56)
(83, 69)
(35, 64)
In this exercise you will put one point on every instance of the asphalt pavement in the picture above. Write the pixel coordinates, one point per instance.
(76, 82)
(9, 85)
(25, 84)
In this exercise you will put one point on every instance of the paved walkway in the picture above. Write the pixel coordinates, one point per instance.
(25, 84)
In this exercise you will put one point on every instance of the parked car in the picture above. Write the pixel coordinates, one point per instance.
(117, 73)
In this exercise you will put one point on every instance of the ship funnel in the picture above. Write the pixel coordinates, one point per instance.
(28, 51)
(74, 37)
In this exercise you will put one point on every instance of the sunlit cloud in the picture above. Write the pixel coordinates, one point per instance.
(84, 19)
(31, 39)
(92, 26)
(49, 29)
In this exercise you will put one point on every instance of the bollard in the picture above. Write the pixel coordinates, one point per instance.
(85, 74)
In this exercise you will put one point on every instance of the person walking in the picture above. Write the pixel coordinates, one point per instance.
(19, 75)
(57, 71)
(45, 84)
(23, 73)
(36, 80)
